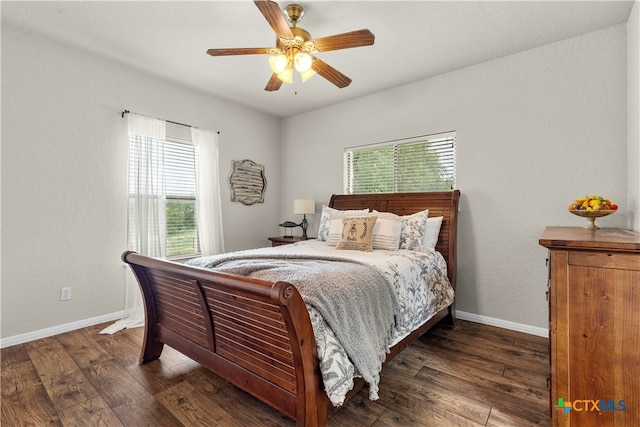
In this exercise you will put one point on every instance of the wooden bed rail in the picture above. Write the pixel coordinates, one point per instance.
(255, 334)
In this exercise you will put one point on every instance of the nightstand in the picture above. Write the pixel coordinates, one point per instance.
(281, 240)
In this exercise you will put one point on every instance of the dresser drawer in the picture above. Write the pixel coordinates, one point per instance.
(617, 260)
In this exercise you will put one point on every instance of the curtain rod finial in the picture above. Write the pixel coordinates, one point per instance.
(125, 112)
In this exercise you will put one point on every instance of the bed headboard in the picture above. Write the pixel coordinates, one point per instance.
(441, 203)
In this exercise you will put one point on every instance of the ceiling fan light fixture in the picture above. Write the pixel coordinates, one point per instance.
(306, 75)
(302, 61)
(278, 62)
(286, 75)
(296, 49)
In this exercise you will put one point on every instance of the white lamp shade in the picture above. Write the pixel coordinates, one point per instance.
(304, 206)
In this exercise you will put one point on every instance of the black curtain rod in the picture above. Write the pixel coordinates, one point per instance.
(168, 121)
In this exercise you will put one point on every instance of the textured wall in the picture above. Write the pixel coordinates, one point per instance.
(64, 176)
(534, 130)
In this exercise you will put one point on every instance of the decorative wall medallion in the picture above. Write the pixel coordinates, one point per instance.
(247, 182)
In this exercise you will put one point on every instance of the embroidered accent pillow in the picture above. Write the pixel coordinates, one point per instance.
(357, 233)
(413, 229)
(328, 213)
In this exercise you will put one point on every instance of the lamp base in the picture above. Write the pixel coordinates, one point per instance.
(304, 224)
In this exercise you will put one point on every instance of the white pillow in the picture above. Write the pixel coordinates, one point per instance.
(334, 233)
(325, 219)
(386, 231)
(413, 230)
(432, 232)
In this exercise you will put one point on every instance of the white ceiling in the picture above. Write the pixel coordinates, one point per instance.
(414, 39)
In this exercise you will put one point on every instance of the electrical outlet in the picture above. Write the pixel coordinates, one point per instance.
(65, 294)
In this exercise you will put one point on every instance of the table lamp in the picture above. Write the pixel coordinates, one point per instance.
(304, 207)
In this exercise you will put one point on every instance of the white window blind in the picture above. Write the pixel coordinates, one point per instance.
(425, 163)
(173, 179)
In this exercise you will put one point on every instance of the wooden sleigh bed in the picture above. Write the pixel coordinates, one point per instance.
(257, 334)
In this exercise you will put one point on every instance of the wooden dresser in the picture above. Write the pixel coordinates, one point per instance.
(594, 321)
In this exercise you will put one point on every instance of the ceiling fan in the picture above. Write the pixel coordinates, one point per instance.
(295, 48)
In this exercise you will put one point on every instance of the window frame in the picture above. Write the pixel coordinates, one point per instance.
(443, 138)
(175, 136)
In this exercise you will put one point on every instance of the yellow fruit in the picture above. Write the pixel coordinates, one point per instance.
(592, 203)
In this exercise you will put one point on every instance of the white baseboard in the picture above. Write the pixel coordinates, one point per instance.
(492, 321)
(55, 330)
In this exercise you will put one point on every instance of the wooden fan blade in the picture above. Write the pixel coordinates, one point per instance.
(238, 51)
(345, 40)
(328, 72)
(272, 13)
(273, 84)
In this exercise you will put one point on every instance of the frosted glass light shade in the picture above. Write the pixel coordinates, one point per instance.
(304, 206)
(286, 75)
(302, 62)
(306, 75)
(278, 63)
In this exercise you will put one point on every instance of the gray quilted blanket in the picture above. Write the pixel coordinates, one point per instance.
(354, 299)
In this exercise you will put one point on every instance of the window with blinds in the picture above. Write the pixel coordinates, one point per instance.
(426, 163)
(174, 180)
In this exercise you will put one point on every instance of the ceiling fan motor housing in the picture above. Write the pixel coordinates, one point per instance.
(294, 12)
(301, 37)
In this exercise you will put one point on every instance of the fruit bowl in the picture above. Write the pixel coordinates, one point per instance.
(592, 215)
(592, 207)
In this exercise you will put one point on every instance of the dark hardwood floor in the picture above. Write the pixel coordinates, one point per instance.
(472, 375)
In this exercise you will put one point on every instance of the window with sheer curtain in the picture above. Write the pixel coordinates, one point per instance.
(171, 190)
(174, 199)
(425, 163)
(174, 196)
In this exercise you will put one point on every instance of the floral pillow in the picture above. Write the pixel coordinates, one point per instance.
(357, 233)
(325, 219)
(413, 230)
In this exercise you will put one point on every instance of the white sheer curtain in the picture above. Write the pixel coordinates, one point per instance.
(147, 221)
(208, 198)
(147, 211)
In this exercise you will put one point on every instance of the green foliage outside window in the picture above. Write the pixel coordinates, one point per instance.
(182, 233)
(418, 165)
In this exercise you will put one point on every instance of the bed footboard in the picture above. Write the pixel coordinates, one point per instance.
(253, 333)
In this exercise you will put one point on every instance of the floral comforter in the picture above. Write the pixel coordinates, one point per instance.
(419, 280)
